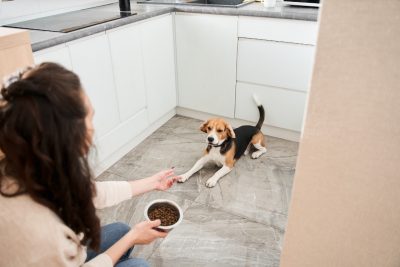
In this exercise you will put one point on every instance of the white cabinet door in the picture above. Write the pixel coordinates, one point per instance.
(206, 59)
(57, 54)
(127, 63)
(283, 108)
(276, 64)
(91, 60)
(159, 66)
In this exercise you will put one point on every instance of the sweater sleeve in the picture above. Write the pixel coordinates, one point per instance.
(111, 193)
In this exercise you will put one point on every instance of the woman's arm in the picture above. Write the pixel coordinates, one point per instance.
(113, 192)
(159, 181)
(142, 233)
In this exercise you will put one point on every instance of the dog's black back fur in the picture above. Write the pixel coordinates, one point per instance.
(245, 133)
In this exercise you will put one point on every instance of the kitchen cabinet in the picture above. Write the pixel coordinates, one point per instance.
(275, 62)
(206, 47)
(91, 60)
(127, 65)
(58, 54)
(283, 108)
(159, 66)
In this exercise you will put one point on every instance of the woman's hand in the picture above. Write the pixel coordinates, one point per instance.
(159, 181)
(143, 233)
(162, 180)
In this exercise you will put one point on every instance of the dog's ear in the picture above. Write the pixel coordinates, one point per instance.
(203, 127)
(231, 133)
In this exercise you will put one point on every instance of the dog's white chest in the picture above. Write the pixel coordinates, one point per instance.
(216, 156)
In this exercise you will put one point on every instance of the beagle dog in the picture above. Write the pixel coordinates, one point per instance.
(226, 145)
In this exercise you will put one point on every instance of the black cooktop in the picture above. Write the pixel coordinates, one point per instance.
(72, 21)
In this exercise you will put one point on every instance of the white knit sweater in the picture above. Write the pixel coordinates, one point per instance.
(33, 235)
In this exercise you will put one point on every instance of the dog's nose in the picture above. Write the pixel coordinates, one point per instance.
(210, 139)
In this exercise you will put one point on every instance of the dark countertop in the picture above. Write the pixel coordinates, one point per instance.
(44, 39)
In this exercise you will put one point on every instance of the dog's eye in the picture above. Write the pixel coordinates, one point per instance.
(219, 130)
(209, 128)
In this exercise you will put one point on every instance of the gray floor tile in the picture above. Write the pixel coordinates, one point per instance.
(212, 237)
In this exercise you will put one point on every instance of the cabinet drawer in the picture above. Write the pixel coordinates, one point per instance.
(283, 108)
(277, 64)
(283, 30)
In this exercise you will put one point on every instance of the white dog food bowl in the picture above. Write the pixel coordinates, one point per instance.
(157, 202)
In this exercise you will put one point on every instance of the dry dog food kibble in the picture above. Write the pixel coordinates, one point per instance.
(167, 213)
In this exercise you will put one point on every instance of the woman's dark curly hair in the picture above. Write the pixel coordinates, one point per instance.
(44, 138)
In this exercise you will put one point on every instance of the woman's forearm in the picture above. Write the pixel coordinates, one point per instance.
(116, 251)
(142, 186)
(162, 180)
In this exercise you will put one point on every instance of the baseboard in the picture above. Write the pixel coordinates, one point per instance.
(266, 129)
(117, 155)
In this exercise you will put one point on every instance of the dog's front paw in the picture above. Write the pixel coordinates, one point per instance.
(211, 182)
(183, 178)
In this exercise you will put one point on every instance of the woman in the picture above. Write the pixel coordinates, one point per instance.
(47, 193)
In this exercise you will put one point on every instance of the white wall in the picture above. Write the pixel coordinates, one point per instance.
(19, 10)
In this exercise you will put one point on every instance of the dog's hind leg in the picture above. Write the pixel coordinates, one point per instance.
(196, 167)
(259, 144)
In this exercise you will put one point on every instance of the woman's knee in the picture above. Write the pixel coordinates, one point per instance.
(115, 230)
(122, 227)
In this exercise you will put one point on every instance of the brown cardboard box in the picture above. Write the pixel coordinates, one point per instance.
(345, 208)
(15, 52)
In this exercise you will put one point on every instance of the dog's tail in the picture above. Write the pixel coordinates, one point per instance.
(260, 110)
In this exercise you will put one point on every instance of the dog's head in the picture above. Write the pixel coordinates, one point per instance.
(217, 131)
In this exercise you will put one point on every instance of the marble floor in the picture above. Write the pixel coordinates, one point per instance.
(239, 222)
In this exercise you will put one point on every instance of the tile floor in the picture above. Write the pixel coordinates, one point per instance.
(239, 222)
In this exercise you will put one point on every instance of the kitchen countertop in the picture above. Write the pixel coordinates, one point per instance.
(45, 39)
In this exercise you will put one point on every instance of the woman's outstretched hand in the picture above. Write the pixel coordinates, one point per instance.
(163, 180)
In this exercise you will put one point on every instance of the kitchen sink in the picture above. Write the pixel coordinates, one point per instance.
(215, 3)
(72, 21)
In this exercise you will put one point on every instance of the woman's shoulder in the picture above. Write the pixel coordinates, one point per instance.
(34, 229)
(22, 210)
